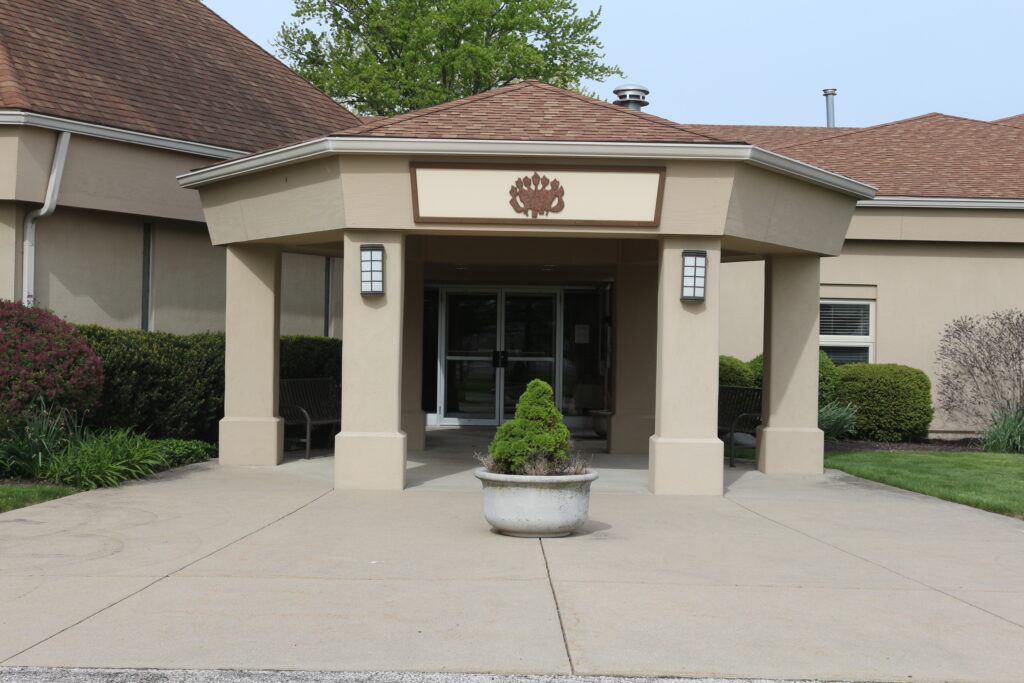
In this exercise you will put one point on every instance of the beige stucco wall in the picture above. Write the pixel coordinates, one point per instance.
(938, 225)
(89, 267)
(710, 198)
(295, 199)
(187, 280)
(779, 210)
(10, 250)
(302, 294)
(99, 174)
(919, 286)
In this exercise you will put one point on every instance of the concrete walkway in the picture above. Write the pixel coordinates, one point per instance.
(214, 567)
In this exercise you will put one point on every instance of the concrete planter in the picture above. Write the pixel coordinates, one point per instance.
(536, 507)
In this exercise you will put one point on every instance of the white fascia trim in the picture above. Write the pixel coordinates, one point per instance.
(14, 117)
(478, 148)
(941, 203)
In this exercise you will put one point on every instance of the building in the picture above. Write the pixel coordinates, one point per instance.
(104, 105)
(95, 127)
(943, 238)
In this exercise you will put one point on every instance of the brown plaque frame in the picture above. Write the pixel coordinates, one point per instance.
(660, 170)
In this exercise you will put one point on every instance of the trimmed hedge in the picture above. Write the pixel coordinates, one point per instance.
(172, 385)
(828, 376)
(894, 402)
(44, 361)
(732, 372)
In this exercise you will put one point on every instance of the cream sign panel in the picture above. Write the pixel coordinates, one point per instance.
(540, 194)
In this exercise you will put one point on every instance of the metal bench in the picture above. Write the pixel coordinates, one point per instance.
(314, 401)
(739, 411)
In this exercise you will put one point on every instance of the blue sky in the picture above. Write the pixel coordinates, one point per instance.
(765, 62)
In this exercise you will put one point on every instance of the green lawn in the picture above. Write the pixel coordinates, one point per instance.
(990, 481)
(19, 495)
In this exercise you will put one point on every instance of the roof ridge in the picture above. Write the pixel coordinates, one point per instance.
(12, 94)
(651, 118)
(432, 109)
(866, 129)
(291, 71)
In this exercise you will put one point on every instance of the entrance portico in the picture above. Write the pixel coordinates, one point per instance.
(497, 244)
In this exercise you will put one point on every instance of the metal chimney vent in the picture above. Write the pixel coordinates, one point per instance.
(830, 107)
(632, 96)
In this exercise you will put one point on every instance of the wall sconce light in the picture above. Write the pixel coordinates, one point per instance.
(695, 268)
(371, 269)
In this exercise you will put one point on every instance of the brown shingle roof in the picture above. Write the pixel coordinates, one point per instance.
(1017, 120)
(529, 110)
(934, 155)
(166, 67)
(767, 137)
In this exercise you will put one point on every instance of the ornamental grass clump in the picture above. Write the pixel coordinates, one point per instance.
(536, 441)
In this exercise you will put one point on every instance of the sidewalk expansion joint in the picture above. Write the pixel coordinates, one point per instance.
(167, 575)
(558, 609)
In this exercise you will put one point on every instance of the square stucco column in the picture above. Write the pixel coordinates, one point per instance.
(414, 420)
(251, 433)
(686, 453)
(370, 448)
(790, 441)
(635, 316)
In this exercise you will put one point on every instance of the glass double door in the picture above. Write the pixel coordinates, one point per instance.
(494, 341)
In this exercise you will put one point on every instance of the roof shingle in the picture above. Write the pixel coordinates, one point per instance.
(530, 110)
(166, 67)
(767, 137)
(934, 155)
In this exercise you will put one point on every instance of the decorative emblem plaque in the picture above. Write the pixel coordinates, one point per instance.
(537, 195)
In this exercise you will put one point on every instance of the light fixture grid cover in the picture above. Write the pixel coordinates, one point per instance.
(694, 279)
(371, 269)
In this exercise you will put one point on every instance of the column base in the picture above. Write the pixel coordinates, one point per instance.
(251, 441)
(630, 434)
(688, 467)
(369, 460)
(414, 424)
(790, 450)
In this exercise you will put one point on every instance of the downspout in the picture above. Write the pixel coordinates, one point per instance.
(28, 254)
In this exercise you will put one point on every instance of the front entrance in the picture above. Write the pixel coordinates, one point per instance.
(491, 341)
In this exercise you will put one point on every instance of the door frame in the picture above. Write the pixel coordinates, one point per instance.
(438, 417)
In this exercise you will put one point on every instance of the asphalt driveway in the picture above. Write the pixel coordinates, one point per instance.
(212, 567)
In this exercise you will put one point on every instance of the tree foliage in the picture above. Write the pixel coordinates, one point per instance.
(386, 57)
(981, 365)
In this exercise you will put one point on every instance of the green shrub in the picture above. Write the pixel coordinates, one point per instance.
(105, 458)
(43, 358)
(27, 447)
(1005, 432)
(304, 356)
(894, 402)
(837, 420)
(732, 372)
(172, 385)
(828, 376)
(536, 441)
(178, 452)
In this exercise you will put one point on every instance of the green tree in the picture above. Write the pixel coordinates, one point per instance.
(386, 57)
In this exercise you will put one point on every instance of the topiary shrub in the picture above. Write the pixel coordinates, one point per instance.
(304, 356)
(43, 360)
(894, 402)
(536, 441)
(828, 376)
(732, 372)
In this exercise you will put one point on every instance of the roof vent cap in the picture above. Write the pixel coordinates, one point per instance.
(632, 96)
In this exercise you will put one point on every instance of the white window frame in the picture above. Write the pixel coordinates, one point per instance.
(860, 341)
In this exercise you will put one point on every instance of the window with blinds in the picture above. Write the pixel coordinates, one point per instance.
(847, 330)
